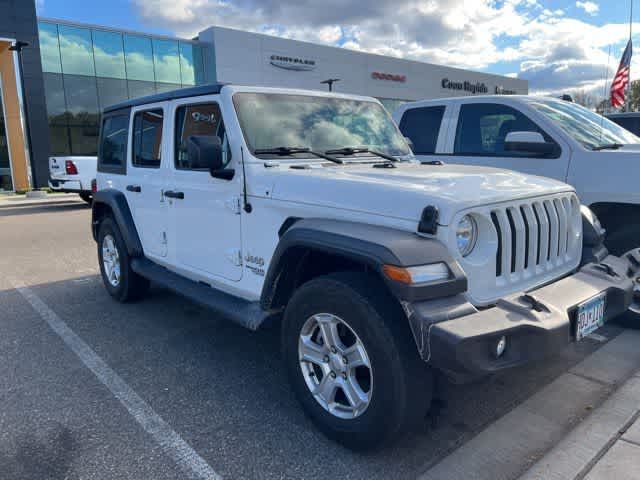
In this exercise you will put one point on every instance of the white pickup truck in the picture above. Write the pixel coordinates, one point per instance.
(73, 175)
(541, 136)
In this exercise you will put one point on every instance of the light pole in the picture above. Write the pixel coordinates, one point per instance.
(330, 82)
(17, 47)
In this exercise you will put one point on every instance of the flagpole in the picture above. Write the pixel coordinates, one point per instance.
(628, 102)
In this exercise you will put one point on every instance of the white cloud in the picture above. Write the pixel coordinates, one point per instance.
(591, 8)
(555, 52)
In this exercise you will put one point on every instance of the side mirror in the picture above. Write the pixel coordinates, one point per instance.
(528, 142)
(205, 152)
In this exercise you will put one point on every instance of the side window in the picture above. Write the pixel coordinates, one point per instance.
(113, 145)
(483, 127)
(147, 138)
(199, 119)
(422, 127)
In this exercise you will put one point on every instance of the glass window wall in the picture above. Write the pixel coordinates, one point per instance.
(87, 69)
(108, 51)
(166, 58)
(49, 47)
(139, 57)
(76, 50)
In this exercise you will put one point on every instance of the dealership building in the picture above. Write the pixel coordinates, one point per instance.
(57, 76)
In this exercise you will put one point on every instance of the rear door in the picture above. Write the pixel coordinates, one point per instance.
(146, 178)
(479, 139)
(426, 128)
(205, 219)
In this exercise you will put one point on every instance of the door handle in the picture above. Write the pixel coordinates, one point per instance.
(134, 188)
(172, 194)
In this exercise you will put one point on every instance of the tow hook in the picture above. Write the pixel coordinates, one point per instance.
(535, 304)
(606, 268)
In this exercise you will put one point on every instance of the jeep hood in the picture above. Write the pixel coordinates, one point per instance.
(403, 192)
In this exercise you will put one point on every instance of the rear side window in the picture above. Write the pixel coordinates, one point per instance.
(199, 119)
(422, 127)
(483, 127)
(147, 138)
(113, 145)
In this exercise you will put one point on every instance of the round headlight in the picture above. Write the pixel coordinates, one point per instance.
(466, 235)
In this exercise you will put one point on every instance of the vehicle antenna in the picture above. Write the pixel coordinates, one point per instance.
(247, 206)
(606, 103)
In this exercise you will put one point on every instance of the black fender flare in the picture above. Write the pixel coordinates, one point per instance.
(117, 203)
(370, 245)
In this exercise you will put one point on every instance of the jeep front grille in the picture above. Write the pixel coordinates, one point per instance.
(522, 245)
(534, 237)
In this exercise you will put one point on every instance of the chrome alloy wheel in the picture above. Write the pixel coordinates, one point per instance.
(111, 260)
(335, 366)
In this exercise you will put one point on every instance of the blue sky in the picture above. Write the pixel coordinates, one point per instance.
(558, 45)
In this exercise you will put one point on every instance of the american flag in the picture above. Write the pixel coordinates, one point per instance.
(621, 80)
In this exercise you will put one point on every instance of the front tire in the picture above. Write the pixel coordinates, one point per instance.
(623, 239)
(119, 279)
(352, 362)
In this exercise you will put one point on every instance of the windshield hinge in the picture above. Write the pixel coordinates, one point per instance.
(234, 204)
(235, 256)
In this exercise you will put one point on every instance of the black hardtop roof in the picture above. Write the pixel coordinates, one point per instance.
(209, 89)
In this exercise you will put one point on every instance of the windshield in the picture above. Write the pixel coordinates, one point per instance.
(588, 128)
(320, 124)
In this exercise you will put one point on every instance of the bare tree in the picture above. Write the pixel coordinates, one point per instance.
(587, 100)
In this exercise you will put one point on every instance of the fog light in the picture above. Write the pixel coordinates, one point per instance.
(501, 346)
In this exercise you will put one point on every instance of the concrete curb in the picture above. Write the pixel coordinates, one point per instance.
(576, 455)
(16, 201)
(509, 446)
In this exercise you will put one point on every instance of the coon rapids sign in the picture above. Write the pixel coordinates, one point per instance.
(477, 87)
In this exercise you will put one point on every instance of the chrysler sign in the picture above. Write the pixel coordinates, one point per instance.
(292, 63)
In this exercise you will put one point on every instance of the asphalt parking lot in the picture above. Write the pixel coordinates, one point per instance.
(218, 388)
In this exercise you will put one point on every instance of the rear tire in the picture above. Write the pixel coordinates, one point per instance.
(399, 383)
(87, 197)
(119, 279)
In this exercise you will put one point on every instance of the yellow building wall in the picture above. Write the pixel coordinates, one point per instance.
(13, 124)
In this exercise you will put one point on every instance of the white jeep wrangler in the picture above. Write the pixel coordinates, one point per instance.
(258, 202)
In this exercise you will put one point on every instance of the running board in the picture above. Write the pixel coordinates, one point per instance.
(248, 314)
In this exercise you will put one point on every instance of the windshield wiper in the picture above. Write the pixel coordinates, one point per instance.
(286, 151)
(608, 146)
(347, 151)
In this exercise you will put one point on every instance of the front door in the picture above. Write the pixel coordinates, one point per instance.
(205, 219)
(146, 179)
(6, 183)
(480, 140)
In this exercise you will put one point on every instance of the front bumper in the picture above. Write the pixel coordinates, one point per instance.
(456, 338)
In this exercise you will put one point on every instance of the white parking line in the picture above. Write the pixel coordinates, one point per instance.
(172, 444)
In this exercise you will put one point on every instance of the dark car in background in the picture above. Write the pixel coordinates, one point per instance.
(628, 120)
